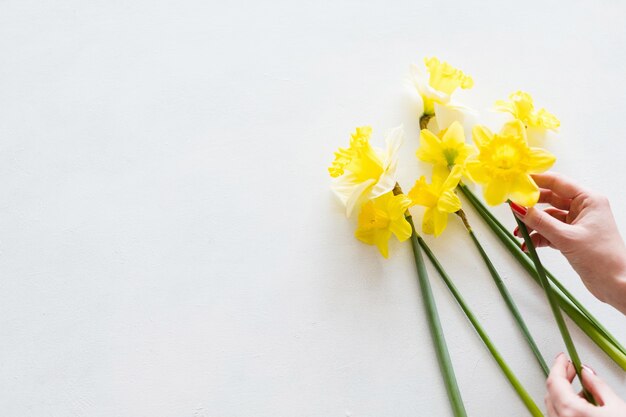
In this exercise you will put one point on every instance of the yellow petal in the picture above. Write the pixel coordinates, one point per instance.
(445, 78)
(540, 160)
(454, 134)
(428, 225)
(440, 173)
(397, 206)
(401, 228)
(496, 192)
(481, 136)
(449, 202)
(547, 120)
(366, 235)
(505, 106)
(422, 195)
(440, 221)
(382, 241)
(524, 191)
(514, 128)
(453, 178)
(477, 172)
(430, 149)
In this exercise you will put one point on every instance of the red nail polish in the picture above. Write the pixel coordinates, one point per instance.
(521, 211)
(516, 232)
(524, 248)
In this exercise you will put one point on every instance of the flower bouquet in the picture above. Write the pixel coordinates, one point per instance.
(365, 180)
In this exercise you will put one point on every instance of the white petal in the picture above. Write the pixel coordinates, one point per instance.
(415, 99)
(393, 140)
(421, 83)
(446, 114)
(385, 183)
(351, 192)
(358, 196)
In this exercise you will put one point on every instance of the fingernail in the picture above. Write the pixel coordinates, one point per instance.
(519, 210)
(588, 368)
(516, 231)
(558, 354)
(524, 248)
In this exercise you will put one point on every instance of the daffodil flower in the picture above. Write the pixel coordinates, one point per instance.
(505, 162)
(363, 172)
(382, 217)
(521, 107)
(436, 87)
(448, 148)
(438, 197)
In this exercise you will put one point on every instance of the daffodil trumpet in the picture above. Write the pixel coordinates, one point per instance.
(362, 172)
(554, 306)
(520, 106)
(513, 380)
(568, 303)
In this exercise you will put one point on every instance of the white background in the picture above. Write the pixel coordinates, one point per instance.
(169, 245)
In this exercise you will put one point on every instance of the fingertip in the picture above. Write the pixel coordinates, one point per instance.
(587, 369)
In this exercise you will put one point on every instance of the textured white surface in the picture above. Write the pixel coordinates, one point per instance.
(168, 242)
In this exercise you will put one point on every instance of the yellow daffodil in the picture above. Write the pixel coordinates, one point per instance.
(438, 197)
(505, 162)
(439, 84)
(521, 106)
(448, 148)
(382, 217)
(363, 172)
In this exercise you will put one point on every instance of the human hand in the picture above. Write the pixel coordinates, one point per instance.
(580, 224)
(562, 401)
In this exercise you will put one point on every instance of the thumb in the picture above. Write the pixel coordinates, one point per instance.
(546, 225)
(600, 391)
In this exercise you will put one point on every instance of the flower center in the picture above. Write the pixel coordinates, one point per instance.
(505, 157)
(379, 220)
(450, 154)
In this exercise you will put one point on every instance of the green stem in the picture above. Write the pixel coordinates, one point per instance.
(424, 120)
(572, 307)
(508, 299)
(515, 383)
(554, 305)
(436, 331)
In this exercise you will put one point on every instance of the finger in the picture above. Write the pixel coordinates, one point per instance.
(549, 197)
(561, 185)
(560, 390)
(517, 233)
(539, 241)
(537, 219)
(601, 392)
(550, 408)
(557, 214)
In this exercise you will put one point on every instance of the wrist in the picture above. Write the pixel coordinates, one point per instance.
(616, 291)
(618, 298)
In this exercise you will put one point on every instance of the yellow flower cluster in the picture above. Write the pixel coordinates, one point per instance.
(503, 162)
